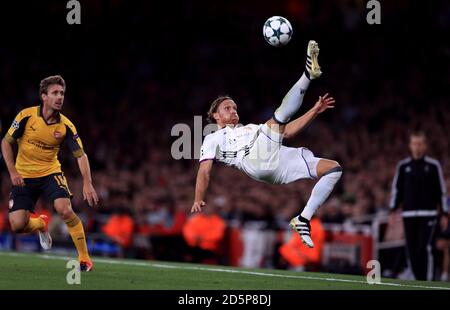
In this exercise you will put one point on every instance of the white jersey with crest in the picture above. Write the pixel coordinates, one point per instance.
(259, 153)
(229, 145)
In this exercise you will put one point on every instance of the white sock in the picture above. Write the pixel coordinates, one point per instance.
(292, 101)
(320, 193)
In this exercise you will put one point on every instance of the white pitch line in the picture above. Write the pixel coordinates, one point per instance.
(256, 273)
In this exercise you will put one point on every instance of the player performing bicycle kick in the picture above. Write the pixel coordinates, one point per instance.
(257, 150)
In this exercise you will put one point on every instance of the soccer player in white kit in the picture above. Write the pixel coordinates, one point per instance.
(257, 150)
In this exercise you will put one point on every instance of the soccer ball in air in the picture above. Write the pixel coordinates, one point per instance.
(277, 31)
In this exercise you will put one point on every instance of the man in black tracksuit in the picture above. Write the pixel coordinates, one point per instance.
(419, 189)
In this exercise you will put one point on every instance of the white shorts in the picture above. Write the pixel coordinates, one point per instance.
(270, 162)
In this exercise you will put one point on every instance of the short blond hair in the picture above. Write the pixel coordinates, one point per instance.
(215, 105)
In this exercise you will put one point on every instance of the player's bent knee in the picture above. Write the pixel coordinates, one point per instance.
(327, 166)
(66, 213)
(64, 208)
(334, 164)
(17, 225)
(336, 168)
(18, 220)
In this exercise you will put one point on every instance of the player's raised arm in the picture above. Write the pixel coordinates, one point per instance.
(201, 185)
(292, 128)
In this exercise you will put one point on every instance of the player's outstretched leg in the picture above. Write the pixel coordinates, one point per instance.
(294, 98)
(329, 172)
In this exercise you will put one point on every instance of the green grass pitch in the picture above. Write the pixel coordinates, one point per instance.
(39, 271)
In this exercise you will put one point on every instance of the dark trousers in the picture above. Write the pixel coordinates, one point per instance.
(420, 235)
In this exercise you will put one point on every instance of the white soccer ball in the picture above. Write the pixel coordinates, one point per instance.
(277, 31)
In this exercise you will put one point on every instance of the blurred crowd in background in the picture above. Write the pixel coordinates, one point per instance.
(133, 71)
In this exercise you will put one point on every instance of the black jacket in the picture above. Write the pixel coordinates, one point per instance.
(419, 186)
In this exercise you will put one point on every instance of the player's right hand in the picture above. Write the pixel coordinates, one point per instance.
(197, 206)
(16, 179)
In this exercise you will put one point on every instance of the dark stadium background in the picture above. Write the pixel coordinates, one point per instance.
(135, 68)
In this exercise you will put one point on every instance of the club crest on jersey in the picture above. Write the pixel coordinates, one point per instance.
(57, 134)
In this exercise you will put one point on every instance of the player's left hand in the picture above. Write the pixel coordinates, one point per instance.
(325, 102)
(90, 194)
